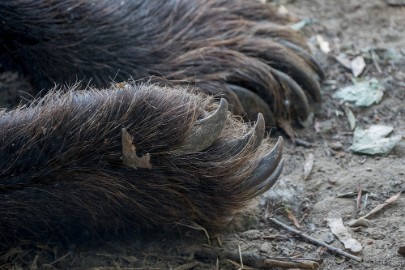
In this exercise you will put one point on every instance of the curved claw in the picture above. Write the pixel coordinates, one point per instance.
(273, 177)
(205, 131)
(256, 134)
(307, 79)
(268, 169)
(306, 56)
(298, 95)
(253, 104)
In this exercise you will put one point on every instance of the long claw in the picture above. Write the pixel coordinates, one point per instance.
(253, 104)
(256, 134)
(268, 169)
(205, 131)
(306, 56)
(299, 99)
(269, 182)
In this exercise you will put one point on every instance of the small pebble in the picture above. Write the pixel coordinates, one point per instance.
(266, 247)
(336, 145)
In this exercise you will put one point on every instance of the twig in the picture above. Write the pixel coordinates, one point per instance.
(284, 264)
(315, 241)
(359, 195)
(301, 142)
(187, 266)
(389, 201)
(57, 260)
(240, 257)
(254, 260)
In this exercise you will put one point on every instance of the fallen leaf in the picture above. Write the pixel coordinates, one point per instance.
(350, 117)
(373, 140)
(358, 65)
(129, 156)
(293, 219)
(344, 61)
(317, 126)
(323, 44)
(336, 226)
(365, 93)
(308, 165)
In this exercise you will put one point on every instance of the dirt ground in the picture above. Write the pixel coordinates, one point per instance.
(352, 28)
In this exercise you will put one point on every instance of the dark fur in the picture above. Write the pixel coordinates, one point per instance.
(61, 164)
(60, 158)
(211, 44)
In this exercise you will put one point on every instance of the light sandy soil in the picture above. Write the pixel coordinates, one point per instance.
(351, 27)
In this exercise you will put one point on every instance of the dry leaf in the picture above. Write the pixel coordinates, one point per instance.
(323, 44)
(363, 93)
(293, 219)
(358, 65)
(344, 61)
(317, 126)
(373, 140)
(308, 165)
(350, 117)
(335, 224)
(129, 157)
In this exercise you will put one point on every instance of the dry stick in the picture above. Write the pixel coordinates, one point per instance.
(187, 266)
(254, 260)
(315, 241)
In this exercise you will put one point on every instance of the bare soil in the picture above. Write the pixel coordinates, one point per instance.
(352, 27)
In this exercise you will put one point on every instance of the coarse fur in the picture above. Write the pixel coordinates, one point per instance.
(61, 169)
(214, 45)
(61, 156)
